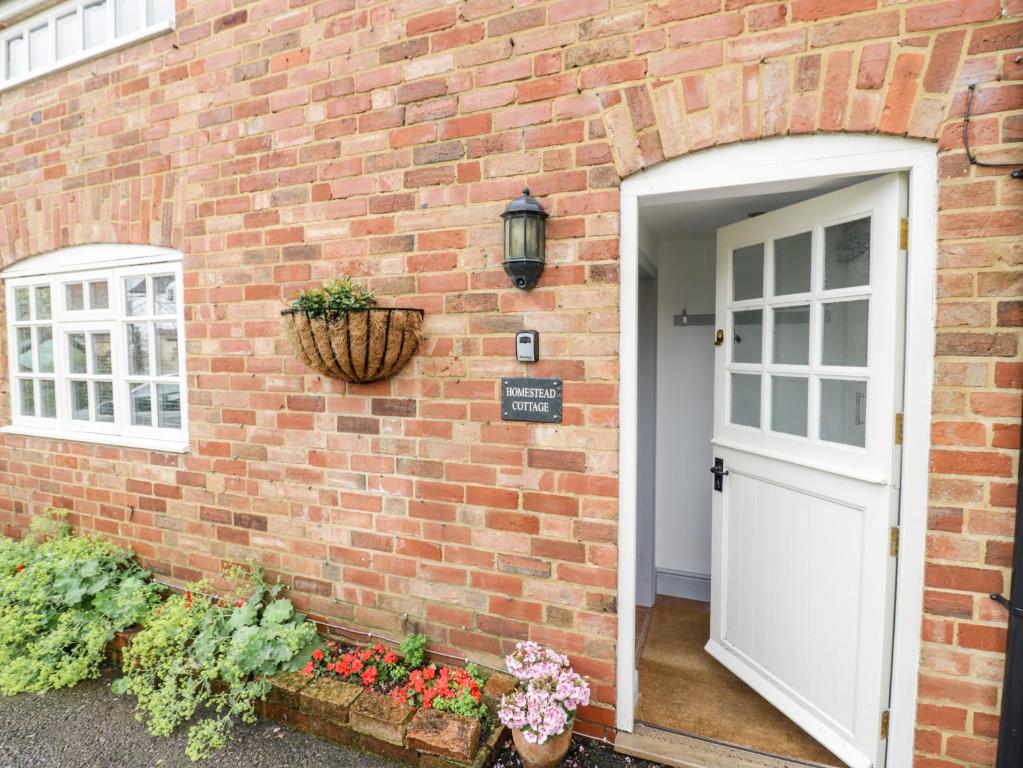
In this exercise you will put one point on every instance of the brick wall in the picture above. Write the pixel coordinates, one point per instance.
(278, 144)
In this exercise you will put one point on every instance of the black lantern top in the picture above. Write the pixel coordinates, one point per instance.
(524, 240)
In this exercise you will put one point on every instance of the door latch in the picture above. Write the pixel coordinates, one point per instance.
(1014, 610)
(719, 472)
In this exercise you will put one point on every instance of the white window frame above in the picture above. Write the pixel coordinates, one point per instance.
(48, 19)
(113, 263)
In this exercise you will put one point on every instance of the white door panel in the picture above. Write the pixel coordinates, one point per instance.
(808, 382)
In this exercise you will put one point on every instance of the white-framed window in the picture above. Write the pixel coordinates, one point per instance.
(96, 340)
(76, 30)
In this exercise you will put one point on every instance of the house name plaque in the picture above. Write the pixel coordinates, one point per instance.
(531, 400)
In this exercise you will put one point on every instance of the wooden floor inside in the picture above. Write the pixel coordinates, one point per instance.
(683, 688)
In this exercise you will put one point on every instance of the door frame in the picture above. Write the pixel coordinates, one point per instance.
(716, 173)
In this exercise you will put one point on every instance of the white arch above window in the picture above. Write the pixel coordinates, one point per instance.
(76, 258)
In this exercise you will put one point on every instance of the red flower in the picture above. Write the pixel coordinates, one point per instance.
(307, 670)
(357, 666)
(240, 603)
(330, 666)
(390, 658)
(19, 569)
(317, 655)
(369, 676)
(429, 673)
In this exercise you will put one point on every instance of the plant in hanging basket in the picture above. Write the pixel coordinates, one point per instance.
(338, 330)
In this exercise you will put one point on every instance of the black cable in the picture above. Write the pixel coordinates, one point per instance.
(1017, 174)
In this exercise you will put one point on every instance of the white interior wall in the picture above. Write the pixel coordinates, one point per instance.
(685, 399)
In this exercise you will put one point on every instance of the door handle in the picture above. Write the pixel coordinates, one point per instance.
(719, 338)
(719, 472)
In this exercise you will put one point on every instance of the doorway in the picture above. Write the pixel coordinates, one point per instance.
(762, 618)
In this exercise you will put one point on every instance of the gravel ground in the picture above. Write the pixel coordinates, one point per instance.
(88, 727)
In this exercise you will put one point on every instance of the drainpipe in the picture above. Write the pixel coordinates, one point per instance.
(1010, 735)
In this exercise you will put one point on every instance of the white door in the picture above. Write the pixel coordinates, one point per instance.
(808, 379)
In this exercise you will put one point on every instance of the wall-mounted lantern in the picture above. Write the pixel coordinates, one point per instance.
(525, 225)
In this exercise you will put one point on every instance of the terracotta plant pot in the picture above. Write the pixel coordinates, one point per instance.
(546, 755)
(359, 346)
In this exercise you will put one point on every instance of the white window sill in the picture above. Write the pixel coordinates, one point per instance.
(145, 443)
(93, 53)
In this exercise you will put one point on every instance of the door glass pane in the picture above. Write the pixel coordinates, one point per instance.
(789, 401)
(844, 411)
(166, 349)
(74, 297)
(748, 272)
(22, 307)
(135, 295)
(159, 10)
(28, 397)
(44, 343)
(141, 404)
(101, 353)
(169, 406)
(792, 335)
(845, 333)
(847, 254)
(76, 353)
(104, 393)
(16, 57)
(25, 349)
(47, 399)
(792, 264)
(80, 400)
(748, 336)
(127, 16)
(67, 35)
(138, 349)
(43, 308)
(746, 399)
(38, 47)
(163, 295)
(98, 295)
(94, 24)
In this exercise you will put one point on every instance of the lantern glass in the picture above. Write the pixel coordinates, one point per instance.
(532, 251)
(515, 246)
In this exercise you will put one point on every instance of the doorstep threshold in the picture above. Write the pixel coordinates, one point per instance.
(682, 750)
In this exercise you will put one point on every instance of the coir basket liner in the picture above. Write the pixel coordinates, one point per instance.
(359, 346)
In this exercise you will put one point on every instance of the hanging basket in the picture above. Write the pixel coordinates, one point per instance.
(358, 347)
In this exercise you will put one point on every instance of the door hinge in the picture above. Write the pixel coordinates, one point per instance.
(898, 428)
(885, 717)
(893, 541)
(903, 234)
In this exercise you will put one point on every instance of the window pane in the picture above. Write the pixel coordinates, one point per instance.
(94, 24)
(47, 399)
(141, 404)
(789, 401)
(844, 411)
(76, 353)
(43, 308)
(169, 406)
(74, 297)
(845, 333)
(792, 264)
(22, 307)
(792, 335)
(44, 343)
(98, 295)
(67, 35)
(101, 353)
(748, 336)
(159, 10)
(28, 397)
(25, 349)
(104, 393)
(746, 399)
(135, 295)
(748, 272)
(163, 295)
(16, 57)
(127, 16)
(166, 349)
(38, 47)
(847, 254)
(80, 400)
(138, 349)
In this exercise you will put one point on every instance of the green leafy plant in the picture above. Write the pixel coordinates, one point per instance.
(448, 689)
(200, 653)
(62, 599)
(334, 298)
(413, 649)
